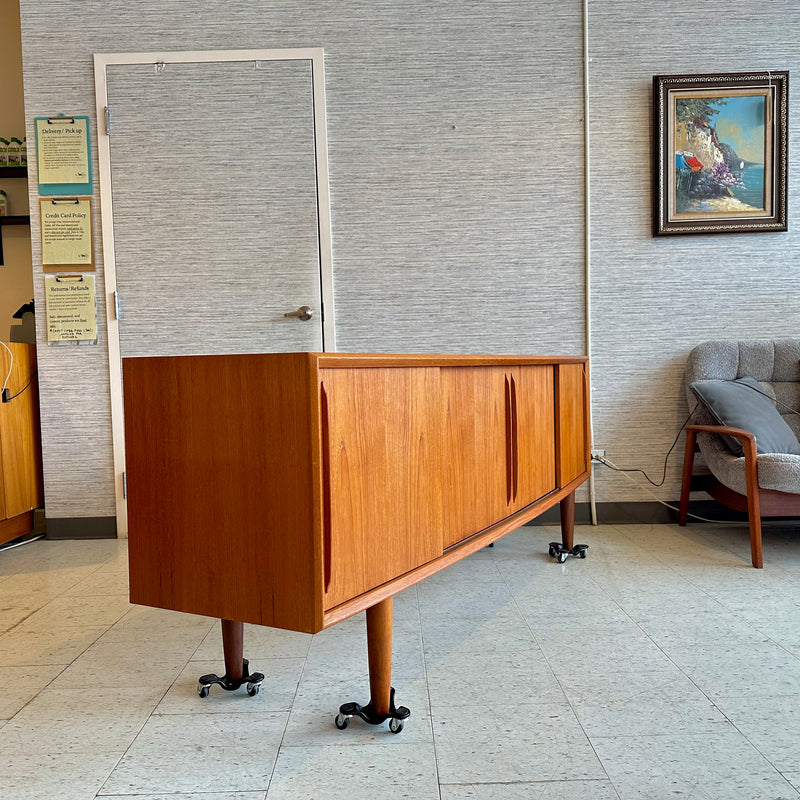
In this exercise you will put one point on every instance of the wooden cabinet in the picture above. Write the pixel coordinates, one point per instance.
(500, 443)
(476, 467)
(375, 475)
(20, 443)
(294, 490)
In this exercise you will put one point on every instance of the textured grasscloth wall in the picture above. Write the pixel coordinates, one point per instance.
(456, 163)
(456, 175)
(654, 299)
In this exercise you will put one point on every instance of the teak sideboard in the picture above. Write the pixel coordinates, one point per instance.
(297, 489)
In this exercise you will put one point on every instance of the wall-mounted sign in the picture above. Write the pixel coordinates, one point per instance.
(66, 224)
(70, 306)
(62, 155)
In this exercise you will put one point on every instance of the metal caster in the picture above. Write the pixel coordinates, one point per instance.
(396, 715)
(559, 552)
(341, 721)
(229, 684)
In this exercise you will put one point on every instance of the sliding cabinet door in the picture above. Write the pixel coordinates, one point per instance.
(535, 443)
(382, 465)
(477, 469)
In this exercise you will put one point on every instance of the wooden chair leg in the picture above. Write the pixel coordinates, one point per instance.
(686, 482)
(753, 503)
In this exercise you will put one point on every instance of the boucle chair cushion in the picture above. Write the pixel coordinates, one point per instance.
(775, 364)
(742, 403)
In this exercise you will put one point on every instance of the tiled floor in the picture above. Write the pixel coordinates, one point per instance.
(661, 666)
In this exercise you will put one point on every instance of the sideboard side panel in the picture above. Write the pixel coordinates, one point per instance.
(572, 414)
(219, 487)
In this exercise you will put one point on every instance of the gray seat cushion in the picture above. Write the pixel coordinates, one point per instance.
(775, 364)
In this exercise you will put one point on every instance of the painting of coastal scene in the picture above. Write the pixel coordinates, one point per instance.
(720, 148)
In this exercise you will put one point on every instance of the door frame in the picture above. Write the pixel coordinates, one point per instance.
(103, 60)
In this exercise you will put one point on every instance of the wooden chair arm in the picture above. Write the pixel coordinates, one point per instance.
(725, 430)
(748, 441)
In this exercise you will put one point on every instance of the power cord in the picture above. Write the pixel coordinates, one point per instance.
(4, 392)
(14, 396)
(606, 463)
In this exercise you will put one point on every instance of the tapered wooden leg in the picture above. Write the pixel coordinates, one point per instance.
(237, 669)
(567, 547)
(568, 521)
(379, 647)
(233, 648)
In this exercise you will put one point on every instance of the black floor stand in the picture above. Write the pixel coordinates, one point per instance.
(367, 713)
(205, 682)
(559, 552)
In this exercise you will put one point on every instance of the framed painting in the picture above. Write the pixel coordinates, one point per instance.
(720, 152)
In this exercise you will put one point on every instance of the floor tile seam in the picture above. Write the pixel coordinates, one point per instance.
(756, 747)
(434, 747)
(283, 745)
(573, 711)
(521, 782)
(765, 633)
(54, 677)
(570, 700)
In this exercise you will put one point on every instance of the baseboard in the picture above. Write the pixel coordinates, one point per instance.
(81, 527)
(641, 513)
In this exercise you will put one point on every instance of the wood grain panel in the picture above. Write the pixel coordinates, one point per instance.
(19, 432)
(385, 439)
(475, 469)
(219, 487)
(3, 514)
(536, 436)
(572, 439)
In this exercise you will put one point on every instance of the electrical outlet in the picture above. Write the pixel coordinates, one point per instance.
(597, 454)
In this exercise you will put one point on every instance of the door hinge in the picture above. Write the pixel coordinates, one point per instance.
(107, 115)
(117, 306)
(124, 485)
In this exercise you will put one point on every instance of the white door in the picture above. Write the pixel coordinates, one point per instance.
(215, 210)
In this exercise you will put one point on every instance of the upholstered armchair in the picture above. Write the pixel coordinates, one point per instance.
(746, 430)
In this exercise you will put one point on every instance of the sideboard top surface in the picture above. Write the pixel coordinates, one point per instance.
(354, 360)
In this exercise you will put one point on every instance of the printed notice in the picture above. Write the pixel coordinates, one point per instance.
(66, 224)
(62, 150)
(70, 305)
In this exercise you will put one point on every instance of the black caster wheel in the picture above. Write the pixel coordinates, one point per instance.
(559, 552)
(203, 689)
(395, 725)
(253, 689)
(341, 721)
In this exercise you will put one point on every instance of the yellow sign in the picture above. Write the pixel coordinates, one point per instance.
(66, 224)
(70, 306)
(62, 150)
